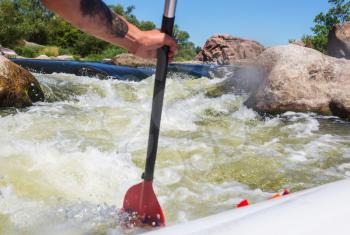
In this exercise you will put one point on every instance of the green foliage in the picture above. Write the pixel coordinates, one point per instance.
(64, 51)
(129, 16)
(10, 21)
(324, 22)
(186, 49)
(29, 20)
(186, 52)
(28, 51)
(94, 57)
(34, 51)
(112, 51)
(50, 51)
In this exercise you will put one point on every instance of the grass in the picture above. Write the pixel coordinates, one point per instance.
(28, 51)
(94, 57)
(35, 51)
(50, 51)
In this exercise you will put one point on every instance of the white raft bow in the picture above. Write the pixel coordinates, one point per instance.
(324, 210)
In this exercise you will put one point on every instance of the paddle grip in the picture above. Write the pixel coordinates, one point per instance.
(157, 103)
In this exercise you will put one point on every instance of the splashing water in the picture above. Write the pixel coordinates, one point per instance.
(65, 164)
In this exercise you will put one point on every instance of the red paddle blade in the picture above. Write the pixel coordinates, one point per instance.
(140, 200)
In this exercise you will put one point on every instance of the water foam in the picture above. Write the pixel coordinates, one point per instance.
(67, 162)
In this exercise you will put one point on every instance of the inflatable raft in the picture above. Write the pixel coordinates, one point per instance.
(107, 71)
(324, 210)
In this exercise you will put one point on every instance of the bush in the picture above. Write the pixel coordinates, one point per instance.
(187, 51)
(112, 51)
(76, 57)
(28, 51)
(94, 57)
(64, 51)
(50, 51)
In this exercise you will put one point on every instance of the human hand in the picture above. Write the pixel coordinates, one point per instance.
(149, 41)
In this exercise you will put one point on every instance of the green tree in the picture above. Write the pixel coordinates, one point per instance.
(187, 49)
(29, 20)
(129, 16)
(324, 22)
(35, 20)
(10, 21)
(23, 19)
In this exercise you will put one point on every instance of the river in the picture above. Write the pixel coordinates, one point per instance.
(65, 164)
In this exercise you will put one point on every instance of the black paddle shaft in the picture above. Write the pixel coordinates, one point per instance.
(158, 95)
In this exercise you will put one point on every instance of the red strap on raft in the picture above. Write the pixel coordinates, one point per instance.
(245, 202)
(278, 195)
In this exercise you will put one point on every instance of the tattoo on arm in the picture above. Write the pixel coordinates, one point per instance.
(97, 8)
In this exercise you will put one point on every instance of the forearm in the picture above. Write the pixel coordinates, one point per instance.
(95, 18)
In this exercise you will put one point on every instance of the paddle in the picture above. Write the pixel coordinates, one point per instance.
(141, 199)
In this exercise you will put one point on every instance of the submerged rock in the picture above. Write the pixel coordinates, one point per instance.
(302, 79)
(225, 49)
(18, 88)
(133, 61)
(339, 41)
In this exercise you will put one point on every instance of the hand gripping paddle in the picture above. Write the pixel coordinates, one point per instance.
(140, 199)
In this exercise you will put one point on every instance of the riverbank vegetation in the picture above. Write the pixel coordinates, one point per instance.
(324, 22)
(28, 20)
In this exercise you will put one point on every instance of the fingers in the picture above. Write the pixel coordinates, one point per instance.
(153, 54)
(152, 41)
(171, 43)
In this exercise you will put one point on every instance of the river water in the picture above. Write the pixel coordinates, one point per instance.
(65, 164)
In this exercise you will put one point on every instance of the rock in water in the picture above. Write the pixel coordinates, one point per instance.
(133, 61)
(18, 88)
(339, 41)
(225, 49)
(7, 52)
(302, 79)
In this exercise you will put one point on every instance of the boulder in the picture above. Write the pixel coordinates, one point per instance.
(133, 61)
(64, 57)
(42, 57)
(225, 49)
(18, 88)
(339, 41)
(7, 52)
(303, 80)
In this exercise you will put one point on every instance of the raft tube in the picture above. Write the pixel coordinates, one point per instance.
(323, 210)
(109, 71)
